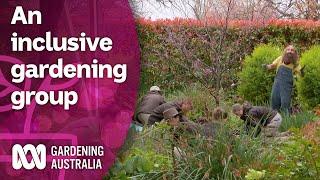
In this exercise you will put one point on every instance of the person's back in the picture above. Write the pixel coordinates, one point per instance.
(209, 129)
(157, 113)
(148, 103)
(261, 118)
(261, 115)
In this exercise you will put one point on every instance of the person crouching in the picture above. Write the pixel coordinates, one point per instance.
(172, 117)
(261, 118)
(182, 106)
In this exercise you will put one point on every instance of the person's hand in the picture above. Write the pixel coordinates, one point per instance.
(264, 66)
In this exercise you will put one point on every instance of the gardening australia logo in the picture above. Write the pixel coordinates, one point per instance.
(19, 156)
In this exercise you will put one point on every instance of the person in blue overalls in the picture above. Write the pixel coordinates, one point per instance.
(287, 67)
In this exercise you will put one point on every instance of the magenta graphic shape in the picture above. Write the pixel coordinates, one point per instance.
(104, 111)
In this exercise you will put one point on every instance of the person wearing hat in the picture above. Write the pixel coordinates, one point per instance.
(148, 103)
(171, 116)
(182, 106)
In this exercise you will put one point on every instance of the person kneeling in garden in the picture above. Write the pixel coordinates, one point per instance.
(183, 107)
(261, 118)
(148, 103)
(172, 117)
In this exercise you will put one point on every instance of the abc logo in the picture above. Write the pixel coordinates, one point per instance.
(19, 156)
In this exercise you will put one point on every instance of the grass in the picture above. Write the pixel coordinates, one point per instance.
(296, 121)
(232, 154)
(227, 156)
(224, 157)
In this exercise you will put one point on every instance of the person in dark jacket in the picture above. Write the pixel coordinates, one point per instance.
(183, 107)
(261, 118)
(148, 103)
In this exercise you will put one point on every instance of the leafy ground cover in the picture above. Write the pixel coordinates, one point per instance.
(231, 154)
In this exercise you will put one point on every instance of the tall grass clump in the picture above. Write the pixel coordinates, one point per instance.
(296, 121)
(229, 155)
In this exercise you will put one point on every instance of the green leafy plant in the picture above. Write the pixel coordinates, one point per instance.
(255, 81)
(147, 159)
(139, 161)
(298, 158)
(309, 84)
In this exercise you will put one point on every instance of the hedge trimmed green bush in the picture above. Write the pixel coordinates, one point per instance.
(309, 85)
(256, 81)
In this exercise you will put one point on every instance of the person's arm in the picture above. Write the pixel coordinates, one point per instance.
(189, 126)
(253, 117)
(274, 64)
(271, 66)
(184, 118)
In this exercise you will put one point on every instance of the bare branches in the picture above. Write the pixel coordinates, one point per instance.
(202, 9)
(137, 6)
(305, 9)
(209, 54)
(245, 9)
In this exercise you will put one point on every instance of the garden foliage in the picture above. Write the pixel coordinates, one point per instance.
(160, 57)
(309, 84)
(255, 80)
(231, 154)
(203, 103)
(297, 158)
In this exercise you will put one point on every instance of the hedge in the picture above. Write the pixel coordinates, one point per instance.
(159, 56)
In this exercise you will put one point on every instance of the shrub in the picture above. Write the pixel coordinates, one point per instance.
(255, 80)
(309, 85)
